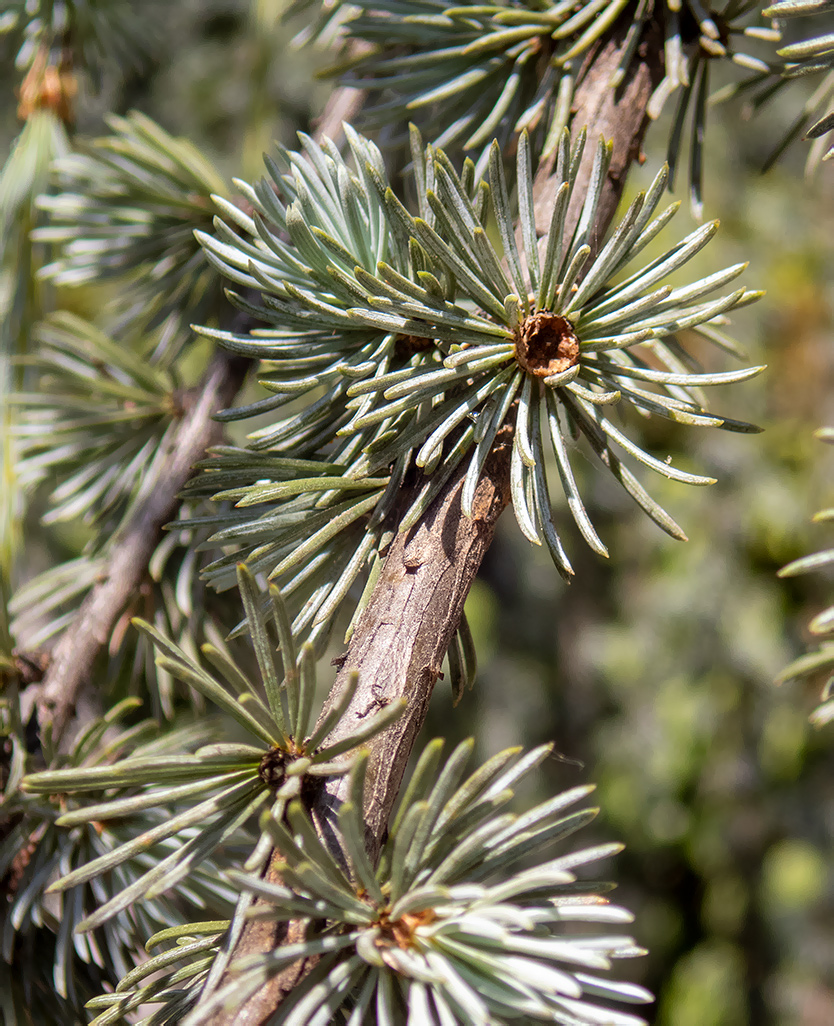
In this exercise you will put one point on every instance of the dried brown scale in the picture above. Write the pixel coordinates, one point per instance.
(272, 771)
(546, 344)
(177, 403)
(11, 882)
(271, 768)
(47, 87)
(141, 604)
(400, 932)
(30, 666)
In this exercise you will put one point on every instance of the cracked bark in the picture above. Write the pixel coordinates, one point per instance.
(400, 640)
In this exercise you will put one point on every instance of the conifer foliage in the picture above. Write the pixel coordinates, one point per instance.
(400, 338)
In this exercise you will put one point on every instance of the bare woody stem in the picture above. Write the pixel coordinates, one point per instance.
(403, 635)
(618, 115)
(72, 660)
(416, 606)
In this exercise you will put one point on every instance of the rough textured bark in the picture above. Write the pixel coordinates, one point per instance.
(616, 115)
(404, 633)
(71, 662)
(400, 640)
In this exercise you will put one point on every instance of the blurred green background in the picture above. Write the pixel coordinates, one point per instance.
(653, 672)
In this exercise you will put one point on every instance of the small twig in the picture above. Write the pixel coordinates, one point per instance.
(72, 660)
(344, 103)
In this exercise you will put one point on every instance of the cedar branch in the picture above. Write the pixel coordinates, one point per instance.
(401, 639)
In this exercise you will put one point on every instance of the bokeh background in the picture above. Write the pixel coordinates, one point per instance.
(653, 672)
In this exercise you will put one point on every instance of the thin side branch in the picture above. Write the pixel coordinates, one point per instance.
(415, 609)
(344, 103)
(71, 663)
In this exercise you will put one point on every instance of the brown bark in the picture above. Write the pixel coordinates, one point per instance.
(409, 623)
(71, 662)
(619, 116)
(415, 609)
